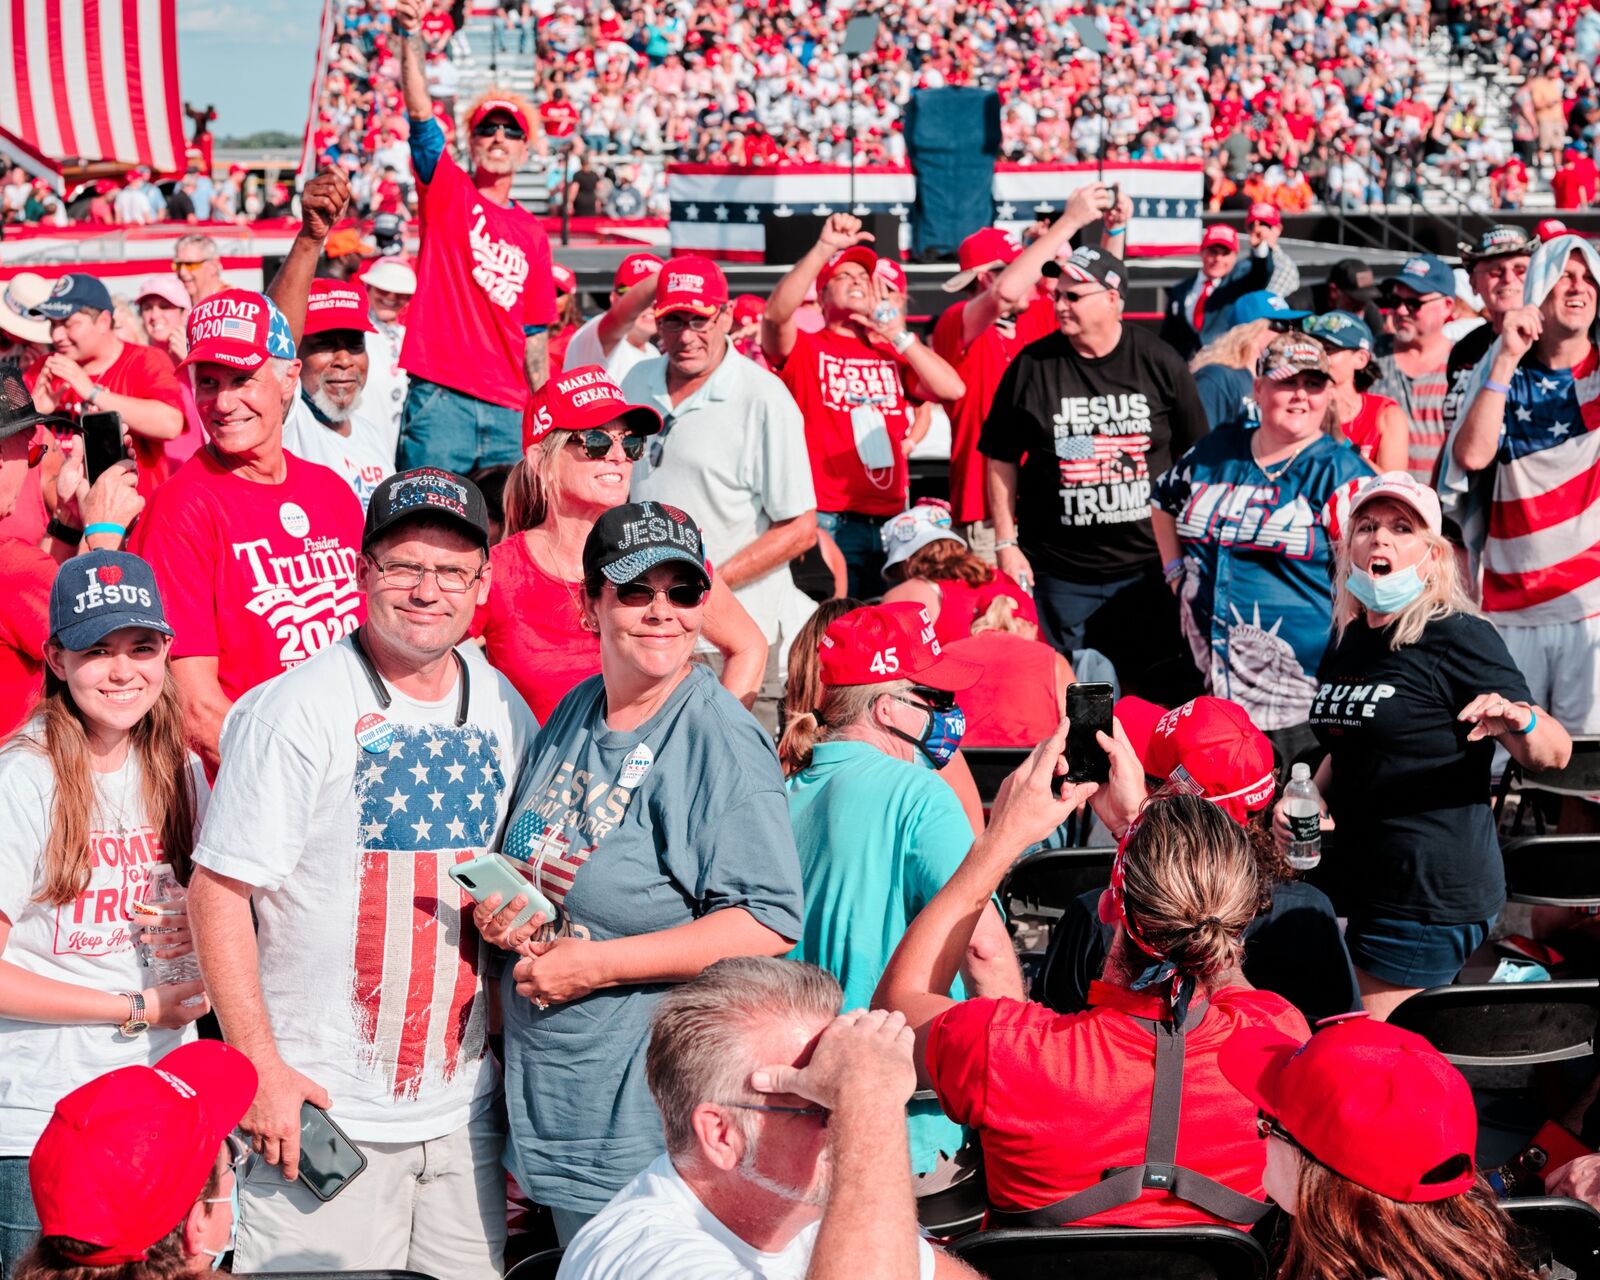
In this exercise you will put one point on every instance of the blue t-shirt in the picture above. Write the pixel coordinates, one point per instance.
(630, 833)
(1228, 396)
(1256, 602)
(877, 837)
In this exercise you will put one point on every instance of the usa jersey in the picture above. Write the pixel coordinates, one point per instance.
(1256, 602)
(1539, 561)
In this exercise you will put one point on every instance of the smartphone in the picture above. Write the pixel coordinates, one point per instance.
(490, 874)
(102, 443)
(1116, 194)
(1089, 709)
(329, 1161)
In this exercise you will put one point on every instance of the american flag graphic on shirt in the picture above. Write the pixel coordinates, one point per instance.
(1102, 459)
(427, 803)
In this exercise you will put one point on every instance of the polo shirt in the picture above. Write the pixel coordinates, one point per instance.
(733, 455)
(1059, 1098)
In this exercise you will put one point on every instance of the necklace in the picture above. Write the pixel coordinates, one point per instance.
(556, 576)
(1282, 466)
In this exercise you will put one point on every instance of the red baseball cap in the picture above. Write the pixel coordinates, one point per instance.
(1261, 211)
(240, 328)
(1207, 747)
(634, 268)
(125, 1156)
(982, 251)
(748, 307)
(862, 255)
(884, 642)
(691, 283)
(580, 398)
(337, 304)
(505, 106)
(891, 273)
(1550, 228)
(1220, 233)
(566, 280)
(1376, 1104)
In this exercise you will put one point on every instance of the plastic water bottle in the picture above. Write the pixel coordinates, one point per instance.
(163, 895)
(1302, 807)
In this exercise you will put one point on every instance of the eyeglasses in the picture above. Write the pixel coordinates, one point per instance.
(488, 128)
(1396, 303)
(685, 595)
(595, 444)
(452, 579)
(820, 1112)
(1268, 1127)
(677, 322)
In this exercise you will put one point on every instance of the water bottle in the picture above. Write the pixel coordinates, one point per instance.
(163, 895)
(1302, 807)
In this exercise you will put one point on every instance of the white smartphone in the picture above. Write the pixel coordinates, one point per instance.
(490, 874)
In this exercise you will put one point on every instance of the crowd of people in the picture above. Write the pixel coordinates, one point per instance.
(535, 743)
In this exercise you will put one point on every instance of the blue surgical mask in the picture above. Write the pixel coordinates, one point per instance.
(1387, 594)
(940, 736)
(232, 1201)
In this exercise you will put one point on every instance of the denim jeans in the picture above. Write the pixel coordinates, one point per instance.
(19, 1224)
(861, 543)
(442, 427)
(1066, 607)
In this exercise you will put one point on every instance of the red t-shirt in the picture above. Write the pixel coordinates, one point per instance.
(1362, 430)
(485, 273)
(145, 374)
(24, 627)
(28, 516)
(1057, 1098)
(530, 627)
(980, 366)
(258, 576)
(1014, 703)
(559, 118)
(1574, 183)
(831, 376)
(437, 28)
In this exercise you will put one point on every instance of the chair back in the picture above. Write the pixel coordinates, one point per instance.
(537, 1266)
(1553, 1229)
(1553, 871)
(1114, 1253)
(1042, 883)
(1579, 777)
(1506, 1024)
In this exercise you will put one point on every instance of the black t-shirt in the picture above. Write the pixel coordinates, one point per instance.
(1410, 794)
(1091, 435)
(1464, 357)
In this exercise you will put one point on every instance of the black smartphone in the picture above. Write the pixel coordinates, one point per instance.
(329, 1161)
(102, 443)
(1089, 709)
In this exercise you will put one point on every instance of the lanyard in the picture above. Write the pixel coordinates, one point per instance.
(381, 690)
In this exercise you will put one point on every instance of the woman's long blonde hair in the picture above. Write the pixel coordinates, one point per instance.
(1235, 349)
(801, 726)
(1442, 592)
(57, 732)
(530, 485)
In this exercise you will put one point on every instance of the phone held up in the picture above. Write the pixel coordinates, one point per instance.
(1089, 710)
(102, 443)
(329, 1161)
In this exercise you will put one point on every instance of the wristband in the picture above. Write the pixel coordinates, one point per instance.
(1489, 384)
(1533, 719)
(63, 532)
(1003, 543)
(1117, 231)
(104, 526)
(1172, 568)
(902, 344)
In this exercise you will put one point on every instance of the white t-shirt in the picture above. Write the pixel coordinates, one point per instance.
(383, 399)
(86, 942)
(361, 457)
(585, 349)
(735, 459)
(371, 970)
(656, 1229)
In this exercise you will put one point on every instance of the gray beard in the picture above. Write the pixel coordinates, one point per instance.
(337, 414)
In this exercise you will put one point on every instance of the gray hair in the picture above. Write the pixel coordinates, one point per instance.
(194, 240)
(700, 1048)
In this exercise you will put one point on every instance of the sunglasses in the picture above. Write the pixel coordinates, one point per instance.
(595, 444)
(36, 452)
(1076, 298)
(1395, 303)
(685, 595)
(182, 267)
(487, 129)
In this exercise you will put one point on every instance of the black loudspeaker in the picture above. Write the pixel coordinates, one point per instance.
(790, 239)
(953, 136)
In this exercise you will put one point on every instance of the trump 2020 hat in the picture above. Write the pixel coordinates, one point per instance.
(1401, 487)
(239, 328)
(630, 540)
(124, 1157)
(1207, 747)
(983, 250)
(426, 491)
(884, 642)
(691, 283)
(580, 398)
(1374, 1103)
(338, 304)
(72, 294)
(100, 592)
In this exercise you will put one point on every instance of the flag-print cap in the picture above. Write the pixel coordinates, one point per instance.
(426, 491)
(100, 592)
(1289, 354)
(1498, 242)
(239, 328)
(1087, 266)
(630, 540)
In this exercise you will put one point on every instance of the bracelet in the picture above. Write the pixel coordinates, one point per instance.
(104, 526)
(1117, 231)
(902, 344)
(1489, 384)
(1533, 719)
(1173, 569)
(1002, 543)
(64, 532)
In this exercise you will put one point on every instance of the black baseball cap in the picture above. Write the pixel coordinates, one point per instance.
(427, 491)
(100, 592)
(1355, 279)
(1087, 266)
(17, 410)
(630, 540)
(1498, 242)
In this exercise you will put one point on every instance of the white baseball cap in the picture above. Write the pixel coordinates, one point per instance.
(910, 531)
(391, 277)
(1400, 486)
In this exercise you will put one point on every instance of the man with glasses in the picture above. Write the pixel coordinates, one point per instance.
(733, 450)
(786, 1140)
(1199, 308)
(1415, 374)
(1497, 265)
(348, 791)
(476, 342)
(198, 265)
(1081, 425)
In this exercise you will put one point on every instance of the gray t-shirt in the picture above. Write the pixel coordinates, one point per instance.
(631, 833)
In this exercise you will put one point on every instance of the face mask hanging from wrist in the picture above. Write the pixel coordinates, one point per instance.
(1387, 594)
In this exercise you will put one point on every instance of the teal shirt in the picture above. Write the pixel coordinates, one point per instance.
(877, 838)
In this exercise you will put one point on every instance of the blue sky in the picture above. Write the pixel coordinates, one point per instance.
(251, 59)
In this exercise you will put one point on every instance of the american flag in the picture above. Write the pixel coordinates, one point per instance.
(548, 851)
(1102, 459)
(233, 327)
(429, 802)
